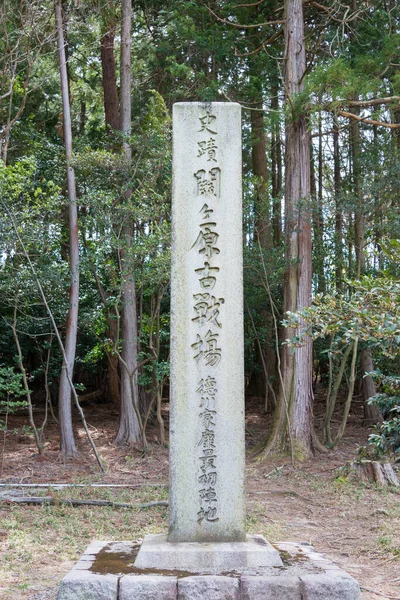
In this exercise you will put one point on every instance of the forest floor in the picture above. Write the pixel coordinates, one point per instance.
(356, 525)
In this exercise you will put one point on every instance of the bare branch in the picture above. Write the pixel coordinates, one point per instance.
(248, 5)
(241, 25)
(344, 113)
(270, 40)
(330, 11)
(374, 101)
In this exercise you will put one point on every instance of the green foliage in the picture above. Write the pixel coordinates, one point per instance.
(386, 439)
(11, 390)
(371, 314)
(183, 52)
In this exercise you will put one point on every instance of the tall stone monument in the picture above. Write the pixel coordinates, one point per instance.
(207, 450)
(206, 553)
(207, 500)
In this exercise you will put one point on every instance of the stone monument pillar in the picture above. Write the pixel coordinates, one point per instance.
(207, 500)
(207, 449)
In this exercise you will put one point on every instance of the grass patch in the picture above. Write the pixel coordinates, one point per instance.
(41, 534)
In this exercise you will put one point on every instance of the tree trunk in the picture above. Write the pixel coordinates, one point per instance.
(319, 217)
(262, 235)
(338, 209)
(359, 215)
(129, 429)
(260, 170)
(109, 78)
(113, 377)
(68, 446)
(381, 473)
(293, 419)
(372, 414)
(276, 168)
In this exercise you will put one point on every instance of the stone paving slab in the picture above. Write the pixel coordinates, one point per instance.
(306, 575)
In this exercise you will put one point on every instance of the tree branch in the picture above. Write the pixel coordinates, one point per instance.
(248, 5)
(241, 25)
(374, 101)
(344, 113)
(266, 43)
(73, 502)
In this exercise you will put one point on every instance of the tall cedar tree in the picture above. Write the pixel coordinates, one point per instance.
(293, 417)
(129, 429)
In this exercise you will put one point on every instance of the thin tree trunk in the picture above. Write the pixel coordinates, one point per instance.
(349, 398)
(25, 381)
(332, 395)
(129, 428)
(276, 168)
(262, 233)
(260, 170)
(319, 218)
(359, 214)
(372, 414)
(338, 209)
(68, 446)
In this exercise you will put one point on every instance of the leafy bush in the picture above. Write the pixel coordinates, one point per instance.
(10, 390)
(386, 439)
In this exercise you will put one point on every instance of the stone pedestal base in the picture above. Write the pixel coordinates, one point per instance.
(157, 554)
(107, 571)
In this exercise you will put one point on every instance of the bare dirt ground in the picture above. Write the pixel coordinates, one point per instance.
(356, 525)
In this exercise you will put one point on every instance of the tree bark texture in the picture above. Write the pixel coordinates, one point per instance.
(293, 422)
(338, 208)
(276, 169)
(319, 218)
(129, 429)
(359, 214)
(260, 169)
(109, 78)
(68, 446)
(113, 361)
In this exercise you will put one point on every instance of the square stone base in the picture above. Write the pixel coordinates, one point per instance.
(157, 554)
(107, 571)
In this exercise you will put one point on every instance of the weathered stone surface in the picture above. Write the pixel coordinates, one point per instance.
(83, 564)
(95, 546)
(207, 587)
(207, 500)
(220, 557)
(147, 587)
(83, 585)
(280, 587)
(332, 586)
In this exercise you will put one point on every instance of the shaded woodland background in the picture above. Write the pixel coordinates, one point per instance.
(85, 180)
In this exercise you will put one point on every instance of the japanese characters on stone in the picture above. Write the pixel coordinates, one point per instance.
(207, 311)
